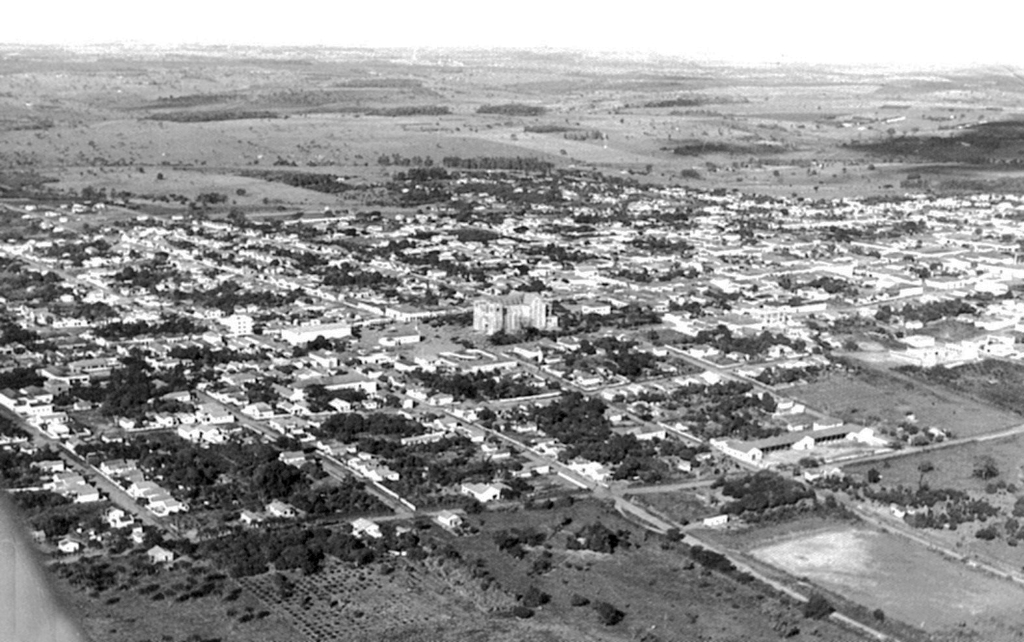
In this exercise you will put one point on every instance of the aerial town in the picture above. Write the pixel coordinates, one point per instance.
(290, 351)
(199, 375)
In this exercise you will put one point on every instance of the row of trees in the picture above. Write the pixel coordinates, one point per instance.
(725, 341)
(169, 324)
(517, 163)
(478, 385)
(512, 109)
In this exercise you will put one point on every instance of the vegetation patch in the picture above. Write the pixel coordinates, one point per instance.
(512, 109)
(997, 142)
(997, 382)
(325, 183)
(213, 116)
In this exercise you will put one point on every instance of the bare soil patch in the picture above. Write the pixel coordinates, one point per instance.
(907, 581)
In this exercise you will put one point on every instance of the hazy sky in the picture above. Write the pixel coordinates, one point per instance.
(896, 31)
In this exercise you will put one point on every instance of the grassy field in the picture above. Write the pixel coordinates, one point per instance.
(873, 398)
(953, 467)
(996, 382)
(906, 581)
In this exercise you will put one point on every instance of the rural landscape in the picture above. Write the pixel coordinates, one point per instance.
(352, 345)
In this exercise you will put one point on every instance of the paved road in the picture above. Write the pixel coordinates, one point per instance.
(949, 443)
(339, 470)
(116, 494)
(332, 466)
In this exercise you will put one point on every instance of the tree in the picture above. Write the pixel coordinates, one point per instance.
(879, 615)
(986, 468)
(817, 607)
(988, 533)
(874, 476)
(277, 480)
(924, 468)
(1018, 507)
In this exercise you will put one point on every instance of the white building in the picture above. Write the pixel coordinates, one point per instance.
(238, 324)
(301, 334)
(513, 312)
(363, 527)
(716, 521)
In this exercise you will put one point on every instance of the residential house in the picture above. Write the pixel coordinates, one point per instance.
(277, 508)
(483, 493)
(117, 518)
(449, 519)
(259, 410)
(70, 545)
(164, 505)
(295, 458)
(249, 518)
(363, 527)
(160, 555)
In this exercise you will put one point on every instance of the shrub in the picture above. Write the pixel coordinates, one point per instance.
(534, 597)
(986, 468)
(578, 600)
(711, 560)
(522, 612)
(608, 614)
(817, 607)
(988, 533)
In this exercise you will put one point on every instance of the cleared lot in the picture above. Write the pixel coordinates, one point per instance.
(906, 581)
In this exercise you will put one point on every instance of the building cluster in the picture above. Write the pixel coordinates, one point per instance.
(633, 295)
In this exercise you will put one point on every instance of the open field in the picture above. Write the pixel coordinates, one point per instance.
(181, 123)
(993, 381)
(906, 581)
(872, 398)
(953, 467)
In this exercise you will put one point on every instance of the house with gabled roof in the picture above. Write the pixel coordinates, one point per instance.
(483, 493)
(160, 555)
